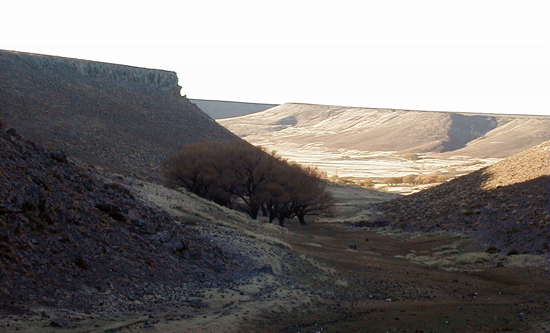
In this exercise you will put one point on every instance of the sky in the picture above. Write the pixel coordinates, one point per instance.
(489, 56)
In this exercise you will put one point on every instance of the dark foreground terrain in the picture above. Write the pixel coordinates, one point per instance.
(327, 287)
(104, 271)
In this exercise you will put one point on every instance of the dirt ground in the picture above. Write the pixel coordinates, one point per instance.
(331, 277)
(376, 288)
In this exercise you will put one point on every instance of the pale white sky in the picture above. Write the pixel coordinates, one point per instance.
(441, 55)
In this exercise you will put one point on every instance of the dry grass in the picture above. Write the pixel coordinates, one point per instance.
(190, 209)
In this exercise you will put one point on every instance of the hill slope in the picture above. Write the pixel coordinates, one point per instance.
(227, 109)
(365, 129)
(122, 118)
(505, 205)
(69, 240)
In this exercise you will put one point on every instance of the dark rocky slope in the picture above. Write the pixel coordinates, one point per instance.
(68, 240)
(506, 205)
(122, 118)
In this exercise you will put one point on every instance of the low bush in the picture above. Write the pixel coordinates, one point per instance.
(391, 181)
(411, 156)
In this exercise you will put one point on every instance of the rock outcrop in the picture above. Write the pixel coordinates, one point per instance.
(152, 78)
(125, 119)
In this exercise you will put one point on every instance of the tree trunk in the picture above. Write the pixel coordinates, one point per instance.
(281, 221)
(302, 219)
(254, 212)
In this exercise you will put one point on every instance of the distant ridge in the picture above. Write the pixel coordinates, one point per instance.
(122, 118)
(228, 109)
(402, 131)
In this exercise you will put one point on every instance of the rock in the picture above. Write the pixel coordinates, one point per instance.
(81, 262)
(150, 228)
(7, 208)
(59, 156)
(114, 211)
(174, 246)
(4, 235)
(266, 269)
(492, 249)
(60, 323)
(140, 223)
(197, 304)
(164, 236)
(134, 216)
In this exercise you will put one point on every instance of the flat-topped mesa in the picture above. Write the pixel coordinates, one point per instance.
(163, 80)
(122, 118)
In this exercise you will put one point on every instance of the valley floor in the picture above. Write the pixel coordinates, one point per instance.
(331, 277)
(381, 287)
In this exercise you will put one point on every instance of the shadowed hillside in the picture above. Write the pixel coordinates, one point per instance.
(505, 205)
(365, 129)
(69, 240)
(122, 118)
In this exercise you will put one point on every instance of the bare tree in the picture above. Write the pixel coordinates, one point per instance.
(194, 168)
(223, 171)
(250, 168)
(309, 194)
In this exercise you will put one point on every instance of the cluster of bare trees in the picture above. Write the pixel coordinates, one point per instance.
(239, 175)
(422, 179)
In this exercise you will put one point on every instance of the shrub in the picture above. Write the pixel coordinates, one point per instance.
(391, 181)
(410, 179)
(512, 252)
(492, 249)
(411, 156)
(346, 181)
(472, 258)
(424, 179)
(366, 182)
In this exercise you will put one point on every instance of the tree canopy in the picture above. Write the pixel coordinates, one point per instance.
(238, 175)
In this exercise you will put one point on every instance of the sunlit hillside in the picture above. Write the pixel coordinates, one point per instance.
(365, 143)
